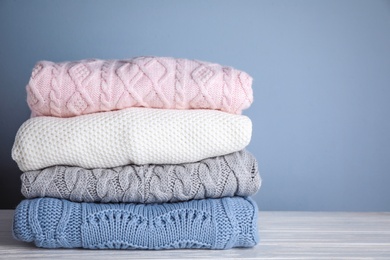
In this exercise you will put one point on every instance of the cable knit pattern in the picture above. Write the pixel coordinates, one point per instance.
(210, 223)
(234, 174)
(129, 136)
(87, 86)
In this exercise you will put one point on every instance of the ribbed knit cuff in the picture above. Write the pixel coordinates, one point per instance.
(237, 223)
(47, 222)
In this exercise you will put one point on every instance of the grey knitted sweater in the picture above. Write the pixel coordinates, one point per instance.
(235, 174)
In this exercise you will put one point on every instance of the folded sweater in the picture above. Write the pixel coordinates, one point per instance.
(210, 223)
(235, 174)
(87, 86)
(129, 136)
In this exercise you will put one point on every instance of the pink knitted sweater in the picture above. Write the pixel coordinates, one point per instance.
(75, 88)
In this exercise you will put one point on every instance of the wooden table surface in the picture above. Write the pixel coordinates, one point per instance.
(283, 235)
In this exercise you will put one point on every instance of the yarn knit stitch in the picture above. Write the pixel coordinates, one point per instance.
(210, 223)
(82, 87)
(129, 136)
(234, 174)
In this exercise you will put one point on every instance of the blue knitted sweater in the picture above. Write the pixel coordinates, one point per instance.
(209, 223)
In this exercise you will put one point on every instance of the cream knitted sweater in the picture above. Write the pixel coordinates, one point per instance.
(129, 136)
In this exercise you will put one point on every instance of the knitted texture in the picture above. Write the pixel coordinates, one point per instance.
(234, 174)
(210, 223)
(82, 87)
(129, 136)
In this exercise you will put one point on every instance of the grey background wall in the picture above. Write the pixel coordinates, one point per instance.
(321, 69)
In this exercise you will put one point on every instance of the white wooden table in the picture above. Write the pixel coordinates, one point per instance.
(284, 235)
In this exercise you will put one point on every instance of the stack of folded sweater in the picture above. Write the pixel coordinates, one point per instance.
(146, 153)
